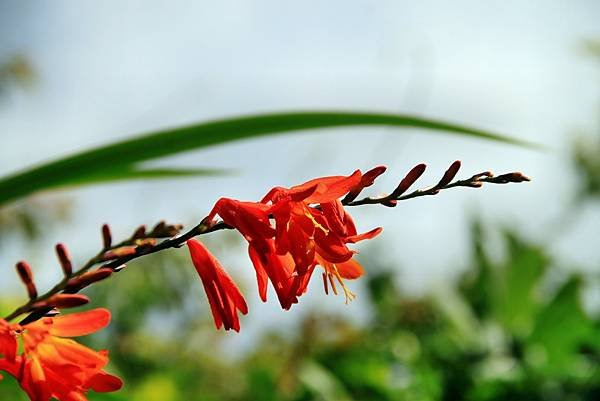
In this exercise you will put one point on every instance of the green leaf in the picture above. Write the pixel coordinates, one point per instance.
(560, 330)
(85, 167)
(517, 282)
(128, 174)
(322, 382)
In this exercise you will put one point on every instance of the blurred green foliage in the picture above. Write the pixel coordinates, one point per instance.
(587, 162)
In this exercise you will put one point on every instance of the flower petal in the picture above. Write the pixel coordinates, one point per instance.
(350, 269)
(223, 295)
(104, 383)
(79, 324)
(368, 235)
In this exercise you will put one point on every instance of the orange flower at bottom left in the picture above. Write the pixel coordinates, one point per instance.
(52, 365)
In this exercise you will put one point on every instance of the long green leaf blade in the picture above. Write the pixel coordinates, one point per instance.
(142, 174)
(125, 154)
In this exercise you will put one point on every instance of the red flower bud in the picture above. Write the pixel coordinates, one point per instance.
(65, 260)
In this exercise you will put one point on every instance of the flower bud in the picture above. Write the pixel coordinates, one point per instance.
(65, 260)
(410, 178)
(449, 174)
(62, 301)
(26, 277)
(106, 236)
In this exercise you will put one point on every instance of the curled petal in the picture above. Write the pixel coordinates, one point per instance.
(331, 188)
(350, 269)
(368, 235)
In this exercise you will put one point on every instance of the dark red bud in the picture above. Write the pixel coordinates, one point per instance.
(31, 290)
(106, 236)
(63, 301)
(410, 178)
(88, 278)
(449, 174)
(366, 180)
(65, 260)
(24, 272)
(140, 232)
(370, 176)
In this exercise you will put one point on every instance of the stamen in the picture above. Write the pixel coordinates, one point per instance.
(333, 287)
(315, 223)
(349, 294)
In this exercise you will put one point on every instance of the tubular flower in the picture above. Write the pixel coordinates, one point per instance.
(54, 366)
(311, 227)
(318, 235)
(224, 297)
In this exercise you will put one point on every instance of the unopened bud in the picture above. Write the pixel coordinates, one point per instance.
(65, 260)
(410, 178)
(24, 272)
(366, 180)
(63, 301)
(510, 177)
(119, 252)
(164, 230)
(449, 174)
(159, 227)
(106, 236)
(26, 277)
(88, 278)
(140, 232)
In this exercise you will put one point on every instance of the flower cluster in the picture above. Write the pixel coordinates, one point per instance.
(53, 366)
(290, 232)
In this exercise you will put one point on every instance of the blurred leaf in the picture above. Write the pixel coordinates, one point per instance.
(85, 167)
(477, 285)
(587, 163)
(322, 382)
(128, 174)
(517, 284)
(560, 329)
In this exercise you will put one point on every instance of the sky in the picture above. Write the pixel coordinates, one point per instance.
(108, 70)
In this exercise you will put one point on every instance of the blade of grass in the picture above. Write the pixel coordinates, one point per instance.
(125, 154)
(142, 174)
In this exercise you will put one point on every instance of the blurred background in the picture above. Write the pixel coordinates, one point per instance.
(489, 294)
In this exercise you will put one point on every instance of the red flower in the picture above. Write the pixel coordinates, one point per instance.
(224, 297)
(54, 366)
(311, 228)
(318, 236)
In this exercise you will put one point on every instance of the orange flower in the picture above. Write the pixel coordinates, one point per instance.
(318, 235)
(304, 235)
(54, 366)
(224, 297)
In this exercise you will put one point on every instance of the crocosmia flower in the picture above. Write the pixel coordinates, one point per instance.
(53, 365)
(224, 297)
(293, 230)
